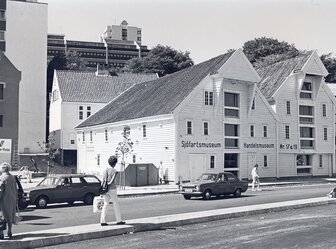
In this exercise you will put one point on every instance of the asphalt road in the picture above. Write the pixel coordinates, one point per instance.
(300, 228)
(131, 208)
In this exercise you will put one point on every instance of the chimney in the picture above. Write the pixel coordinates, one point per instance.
(102, 70)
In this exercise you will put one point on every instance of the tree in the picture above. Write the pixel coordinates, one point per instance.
(124, 148)
(51, 149)
(162, 60)
(268, 49)
(329, 61)
(74, 61)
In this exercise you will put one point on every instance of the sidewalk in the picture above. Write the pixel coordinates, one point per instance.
(34, 239)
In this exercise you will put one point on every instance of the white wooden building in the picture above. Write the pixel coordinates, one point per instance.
(210, 117)
(305, 107)
(76, 95)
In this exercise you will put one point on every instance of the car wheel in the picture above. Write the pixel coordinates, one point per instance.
(207, 195)
(238, 192)
(42, 202)
(187, 197)
(88, 199)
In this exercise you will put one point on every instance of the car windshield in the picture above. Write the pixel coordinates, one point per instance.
(207, 177)
(48, 181)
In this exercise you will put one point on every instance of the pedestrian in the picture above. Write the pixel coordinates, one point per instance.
(8, 198)
(255, 178)
(34, 164)
(109, 177)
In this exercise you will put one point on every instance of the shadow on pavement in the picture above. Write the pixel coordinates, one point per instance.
(221, 198)
(33, 217)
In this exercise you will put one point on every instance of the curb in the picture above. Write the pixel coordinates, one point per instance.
(127, 195)
(147, 224)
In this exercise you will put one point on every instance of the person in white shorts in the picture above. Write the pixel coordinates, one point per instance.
(255, 178)
(111, 195)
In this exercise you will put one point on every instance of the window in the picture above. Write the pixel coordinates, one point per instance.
(134, 159)
(306, 90)
(144, 131)
(230, 160)
(287, 131)
(91, 179)
(306, 132)
(2, 14)
(1, 121)
(91, 136)
(307, 144)
(288, 106)
(212, 162)
(324, 110)
(231, 102)
(231, 136)
(206, 128)
(106, 135)
(72, 141)
(303, 160)
(252, 130)
(321, 161)
(325, 134)
(2, 35)
(124, 34)
(265, 130)
(98, 159)
(208, 98)
(306, 110)
(88, 111)
(2, 89)
(80, 112)
(253, 104)
(265, 161)
(189, 127)
(83, 134)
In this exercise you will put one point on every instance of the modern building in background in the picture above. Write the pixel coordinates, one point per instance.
(117, 45)
(305, 106)
(207, 118)
(76, 96)
(26, 48)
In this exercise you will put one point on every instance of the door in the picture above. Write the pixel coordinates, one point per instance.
(79, 188)
(221, 186)
(63, 190)
(142, 175)
(251, 160)
(196, 165)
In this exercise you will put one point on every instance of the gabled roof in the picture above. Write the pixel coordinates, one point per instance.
(79, 86)
(157, 97)
(272, 76)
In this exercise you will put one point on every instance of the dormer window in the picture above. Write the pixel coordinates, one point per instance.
(306, 90)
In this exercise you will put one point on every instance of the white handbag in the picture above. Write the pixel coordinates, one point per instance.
(98, 203)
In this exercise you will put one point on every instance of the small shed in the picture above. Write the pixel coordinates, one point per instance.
(140, 175)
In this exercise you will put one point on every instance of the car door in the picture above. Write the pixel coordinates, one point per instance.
(63, 190)
(92, 184)
(232, 183)
(78, 188)
(221, 185)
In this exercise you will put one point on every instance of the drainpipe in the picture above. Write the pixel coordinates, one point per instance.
(277, 150)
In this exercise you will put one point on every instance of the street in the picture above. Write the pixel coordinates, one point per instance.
(300, 228)
(141, 207)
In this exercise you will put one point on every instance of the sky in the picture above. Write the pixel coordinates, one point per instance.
(205, 28)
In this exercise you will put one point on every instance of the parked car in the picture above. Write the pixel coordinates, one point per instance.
(64, 188)
(23, 201)
(209, 185)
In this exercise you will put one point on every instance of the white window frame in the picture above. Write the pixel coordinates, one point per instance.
(81, 112)
(88, 111)
(325, 133)
(106, 135)
(287, 132)
(320, 161)
(252, 131)
(208, 98)
(2, 34)
(144, 131)
(3, 91)
(83, 137)
(265, 161)
(5, 14)
(288, 107)
(91, 137)
(324, 110)
(214, 161)
(206, 122)
(265, 131)
(187, 121)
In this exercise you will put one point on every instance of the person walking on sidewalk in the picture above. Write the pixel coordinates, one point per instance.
(111, 195)
(8, 198)
(255, 178)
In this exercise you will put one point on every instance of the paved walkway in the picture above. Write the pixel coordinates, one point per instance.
(78, 233)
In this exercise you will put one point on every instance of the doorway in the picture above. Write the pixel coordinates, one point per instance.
(196, 165)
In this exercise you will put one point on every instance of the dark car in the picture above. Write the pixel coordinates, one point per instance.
(64, 188)
(210, 184)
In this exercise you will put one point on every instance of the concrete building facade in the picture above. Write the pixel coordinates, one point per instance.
(26, 48)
